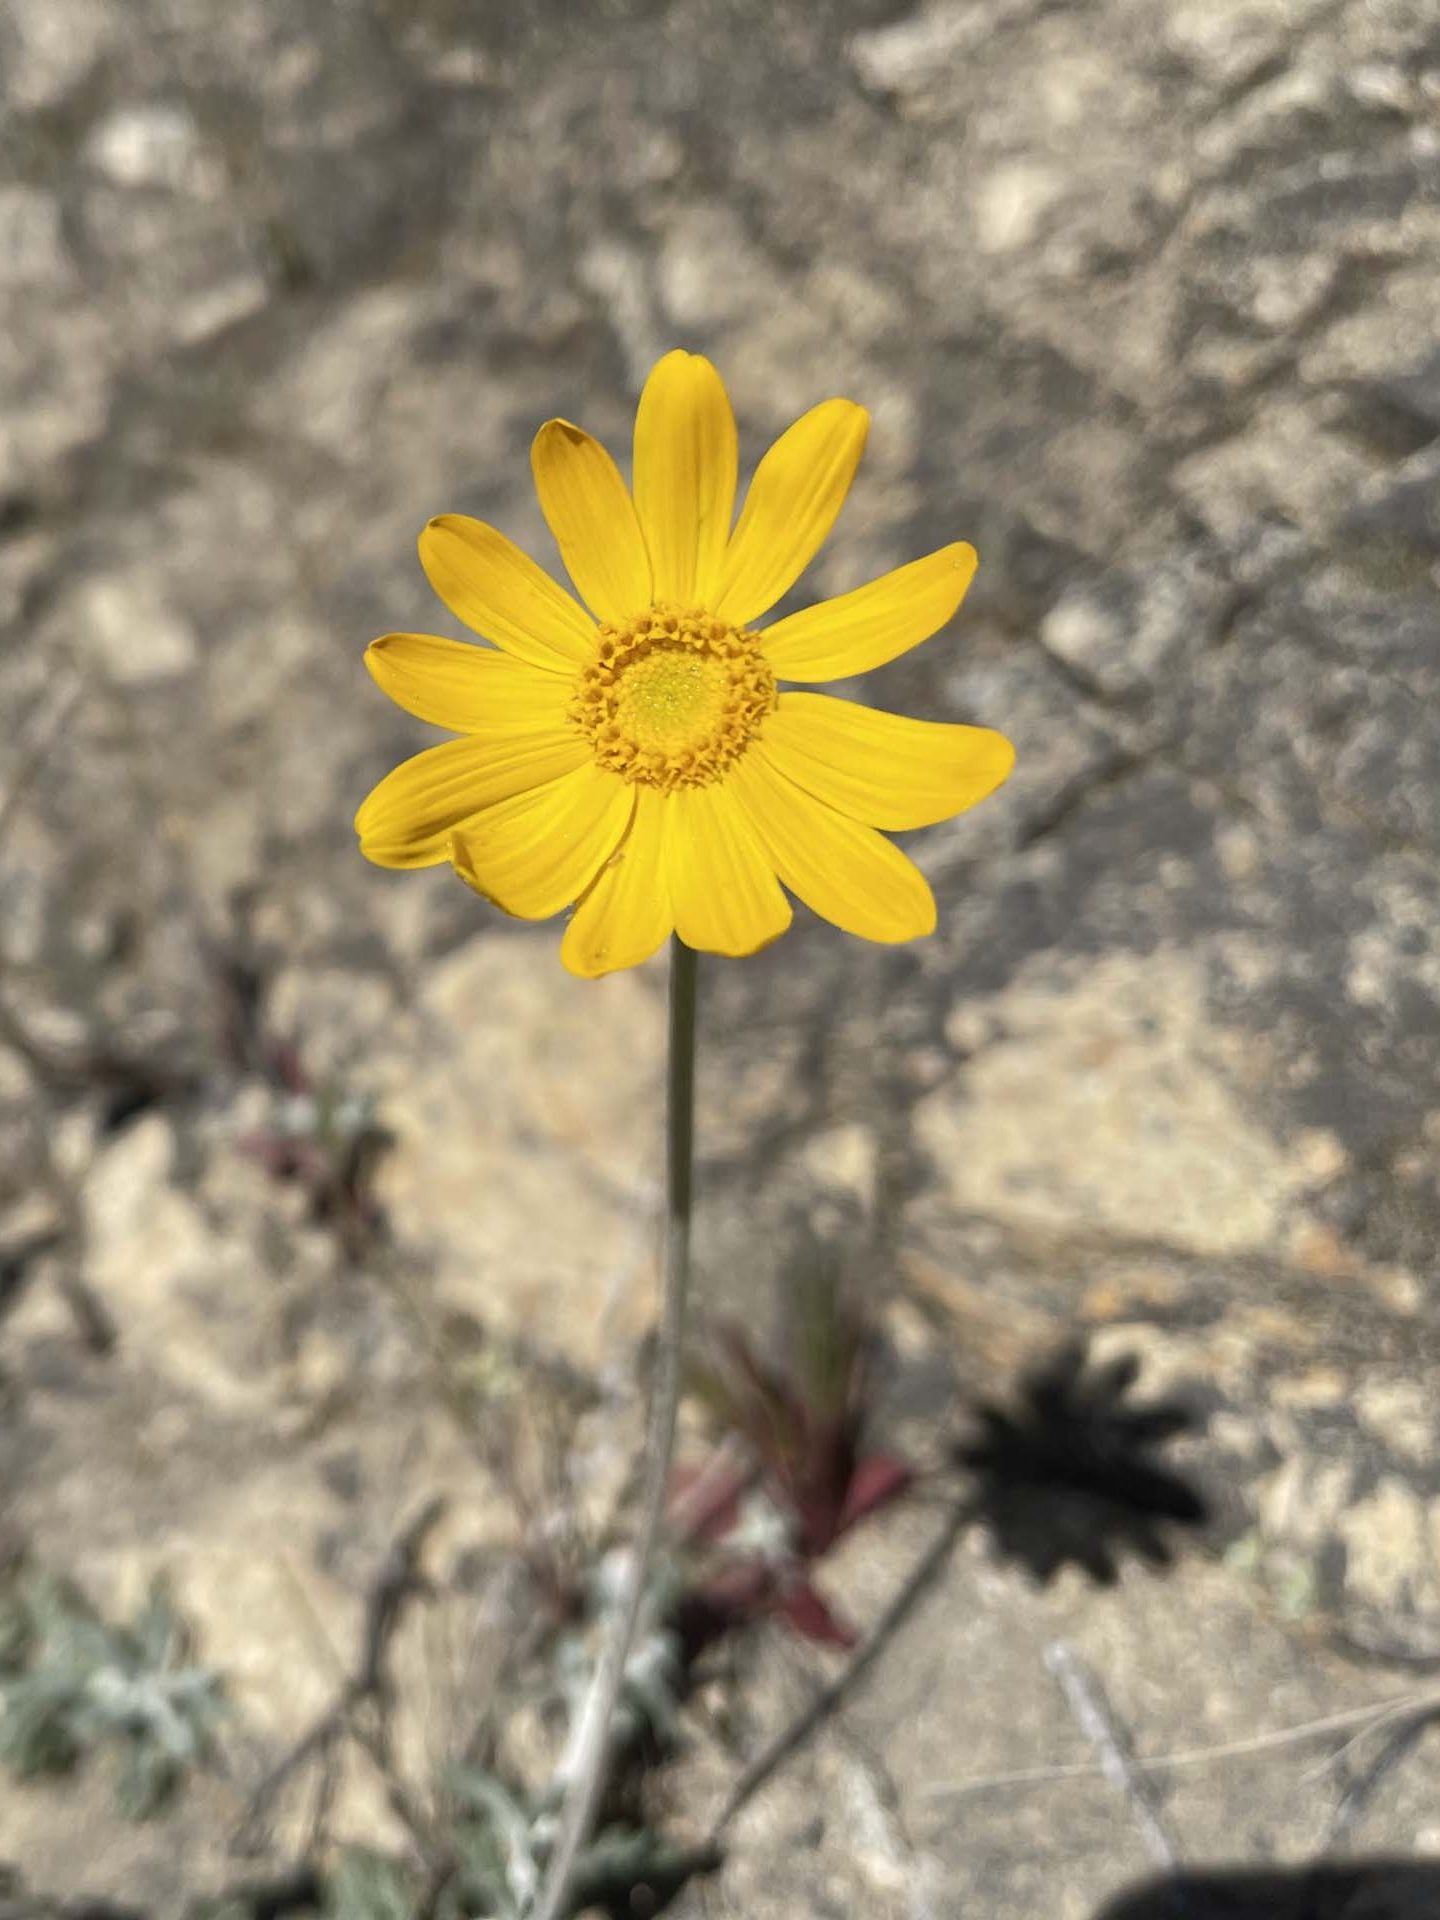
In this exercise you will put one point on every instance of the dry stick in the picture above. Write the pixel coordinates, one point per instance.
(1358, 1795)
(591, 1748)
(791, 1738)
(1367, 1719)
(396, 1581)
(1379, 1716)
(1097, 1722)
(38, 733)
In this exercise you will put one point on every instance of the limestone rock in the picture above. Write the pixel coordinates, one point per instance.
(527, 1113)
(1107, 1104)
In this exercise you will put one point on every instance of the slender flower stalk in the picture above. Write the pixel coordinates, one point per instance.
(592, 1745)
(626, 753)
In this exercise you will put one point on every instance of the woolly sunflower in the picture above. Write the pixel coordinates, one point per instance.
(637, 761)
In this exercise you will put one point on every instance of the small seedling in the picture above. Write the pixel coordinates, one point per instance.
(805, 1477)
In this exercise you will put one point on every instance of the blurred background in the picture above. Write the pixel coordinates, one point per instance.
(324, 1192)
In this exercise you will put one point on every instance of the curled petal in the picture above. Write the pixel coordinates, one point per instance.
(408, 820)
(536, 853)
(626, 914)
(845, 872)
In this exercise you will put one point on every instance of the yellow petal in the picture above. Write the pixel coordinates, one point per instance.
(878, 622)
(486, 581)
(626, 914)
(798, 489)
(685, 465)
(408, 820)
(536, 853)
(588, 508)
(723, 888)
(881, 767)
(848, 874)
(469, 689)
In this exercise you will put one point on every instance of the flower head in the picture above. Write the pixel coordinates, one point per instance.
(637, 761)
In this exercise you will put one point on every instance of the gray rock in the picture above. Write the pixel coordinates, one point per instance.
(133, 637)
(1125, 636)
(153, 145)
(49, 51)
(32, 245)
(1142, 302)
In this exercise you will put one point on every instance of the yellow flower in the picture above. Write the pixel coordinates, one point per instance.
(638, 759)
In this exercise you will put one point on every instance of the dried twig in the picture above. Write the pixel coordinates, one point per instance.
(1096, 1719)
(397, 1580)
(1366, 1719)
(791, 1738)
(1357, 1797)
(38, 732)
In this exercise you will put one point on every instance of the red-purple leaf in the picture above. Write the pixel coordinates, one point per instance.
(877, 1480)
(811, 1616)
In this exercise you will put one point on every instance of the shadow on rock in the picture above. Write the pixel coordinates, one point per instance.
(1073, 1470)
(1364, 1890)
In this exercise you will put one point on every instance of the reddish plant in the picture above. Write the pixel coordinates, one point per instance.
(791, 1477)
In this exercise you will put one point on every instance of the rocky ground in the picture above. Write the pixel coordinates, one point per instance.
(1142, 300)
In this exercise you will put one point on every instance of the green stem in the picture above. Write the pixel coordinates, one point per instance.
(592, 1742)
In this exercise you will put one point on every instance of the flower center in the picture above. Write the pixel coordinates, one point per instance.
(674, 696)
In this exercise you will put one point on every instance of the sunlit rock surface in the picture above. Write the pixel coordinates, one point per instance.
(1142, 302)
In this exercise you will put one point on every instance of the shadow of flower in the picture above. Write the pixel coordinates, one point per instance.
(1070, 1472)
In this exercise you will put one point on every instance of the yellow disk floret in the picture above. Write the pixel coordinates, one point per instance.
(674, 697)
